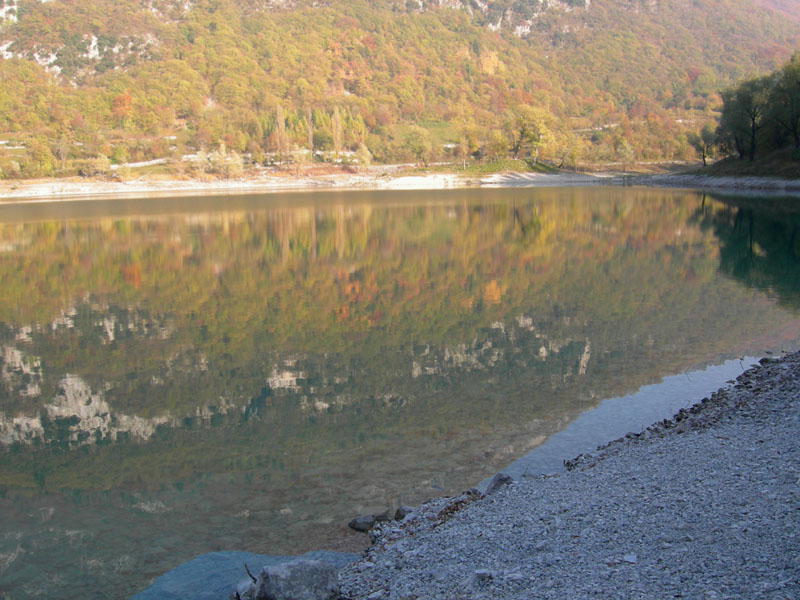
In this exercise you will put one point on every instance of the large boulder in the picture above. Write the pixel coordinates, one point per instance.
(297, 580)
(211, 576)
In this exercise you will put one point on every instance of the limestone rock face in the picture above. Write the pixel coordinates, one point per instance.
(297, 580)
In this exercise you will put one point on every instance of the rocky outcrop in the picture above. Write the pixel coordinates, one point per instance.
(518, 18)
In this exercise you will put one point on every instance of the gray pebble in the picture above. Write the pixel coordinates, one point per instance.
(630, 559)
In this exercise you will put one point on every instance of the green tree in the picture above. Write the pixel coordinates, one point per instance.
(363, 155)
(467, 141)
(120, 154)
(309, 122)
(62, 147)
(496, 145)
(338, 131)
(570, 147)
(40, 160)
(785, 99)
(526, 127)
(702, 142)
(281, 140)
(302, 158)
(418, 143)
(624, 152)
(745, 112)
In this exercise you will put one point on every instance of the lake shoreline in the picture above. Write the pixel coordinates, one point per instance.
(74, 189)
(676, 509)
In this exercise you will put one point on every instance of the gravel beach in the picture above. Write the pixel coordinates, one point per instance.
(706, 505)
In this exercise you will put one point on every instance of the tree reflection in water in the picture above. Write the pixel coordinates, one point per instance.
(251, 378)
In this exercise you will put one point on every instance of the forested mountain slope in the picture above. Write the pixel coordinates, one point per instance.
(137, 79)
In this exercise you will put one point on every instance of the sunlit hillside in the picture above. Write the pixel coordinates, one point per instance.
(602, 80)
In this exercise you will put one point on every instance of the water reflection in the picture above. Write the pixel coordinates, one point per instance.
(176, 384)
(759, 246)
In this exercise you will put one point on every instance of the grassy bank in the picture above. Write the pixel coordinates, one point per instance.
(784, 163)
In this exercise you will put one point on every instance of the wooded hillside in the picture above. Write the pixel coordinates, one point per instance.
(609, 80)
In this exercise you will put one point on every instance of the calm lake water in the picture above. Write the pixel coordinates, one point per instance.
(180, 376)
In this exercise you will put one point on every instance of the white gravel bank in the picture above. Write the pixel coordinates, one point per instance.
(378, 178)
(704, 506)
(60, 189)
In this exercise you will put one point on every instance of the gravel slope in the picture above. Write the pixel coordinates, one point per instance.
(704, 506)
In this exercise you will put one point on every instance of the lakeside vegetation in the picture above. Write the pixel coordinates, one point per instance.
(759, 127)
(781, 164)
(87, 85)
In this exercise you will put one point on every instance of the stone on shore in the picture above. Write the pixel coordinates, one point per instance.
(211, 576)
(402, 512)
(297, 580)
(362, 523)
(497, 482)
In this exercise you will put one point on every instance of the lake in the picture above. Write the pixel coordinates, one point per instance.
(186, 375)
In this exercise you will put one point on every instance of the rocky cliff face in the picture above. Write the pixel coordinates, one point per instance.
(516, 17)
(135, 30)
(84, 42)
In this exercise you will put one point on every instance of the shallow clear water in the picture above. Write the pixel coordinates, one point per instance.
(179, 376)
